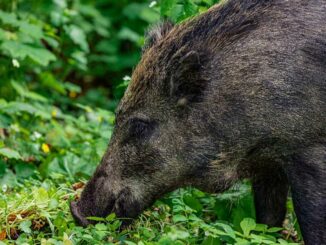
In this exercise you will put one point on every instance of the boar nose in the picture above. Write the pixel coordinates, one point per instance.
(76, 214)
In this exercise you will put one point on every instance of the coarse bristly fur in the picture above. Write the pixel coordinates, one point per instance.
(237, 92)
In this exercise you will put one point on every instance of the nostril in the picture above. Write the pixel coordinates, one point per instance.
(76, 214)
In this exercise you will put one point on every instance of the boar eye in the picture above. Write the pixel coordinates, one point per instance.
(140, 129)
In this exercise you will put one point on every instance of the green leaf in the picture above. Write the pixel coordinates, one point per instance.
(3, 167)
(20, 51)
(25, 93)
(9, 18)
(80, 59)
(128, 34)
(192, 202)
(78, 36)
(48, 80)
(41, 195)
(25, 226)
(228, 229)
(88, 237)
(101, 227)
(9, 153)
(222, 209)
(15, 107)
(247, 225)
(8, 179)
(243, 208)
(2, 34)
(53, 204)
(240, 241)
(115, 225)
(283, 242)
(274, 229)
(24, 170)
(72, 87)
(211, 241)
(261, 227)
(190, 8)
(31, 30)
(110, 217)
(263, 239)
(99, 219)
(166, 6)
(60, 3)
(179, 218)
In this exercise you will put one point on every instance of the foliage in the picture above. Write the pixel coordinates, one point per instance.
(37, 212)
(62, 64)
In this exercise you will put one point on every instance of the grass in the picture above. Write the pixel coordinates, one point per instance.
(37, 212)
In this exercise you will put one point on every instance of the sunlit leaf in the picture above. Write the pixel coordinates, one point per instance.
(32, 30)
(21, 51)
(78, 36)
(41, 195)
(9, 18)
(179, 218)
(247, 225)
(25, 226)
(9, 153)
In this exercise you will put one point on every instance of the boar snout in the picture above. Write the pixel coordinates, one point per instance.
(81, 217)
(76, 214)
(123, 205)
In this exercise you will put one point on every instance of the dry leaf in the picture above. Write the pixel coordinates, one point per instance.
(78, 185)
(3, 235)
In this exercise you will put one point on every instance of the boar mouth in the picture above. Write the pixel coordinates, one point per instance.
(124, 207)
(76, 214)
(81, 219)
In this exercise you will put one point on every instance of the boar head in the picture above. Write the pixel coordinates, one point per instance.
(162, 139)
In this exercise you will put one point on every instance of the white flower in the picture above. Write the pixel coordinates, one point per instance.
(15, 63)
(152, 4)
(126, 78)
(37, 135)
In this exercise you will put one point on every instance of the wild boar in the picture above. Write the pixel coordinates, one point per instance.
(236, 92)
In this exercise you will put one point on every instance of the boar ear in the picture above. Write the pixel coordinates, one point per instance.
(156, 33)
(188, 80)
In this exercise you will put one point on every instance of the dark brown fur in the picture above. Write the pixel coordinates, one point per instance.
(237, 92)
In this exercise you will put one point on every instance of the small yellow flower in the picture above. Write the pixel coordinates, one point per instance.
(72, 94)
(45, 148)
(54, 113)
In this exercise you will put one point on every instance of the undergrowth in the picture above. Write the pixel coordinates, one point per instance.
(37, 212)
